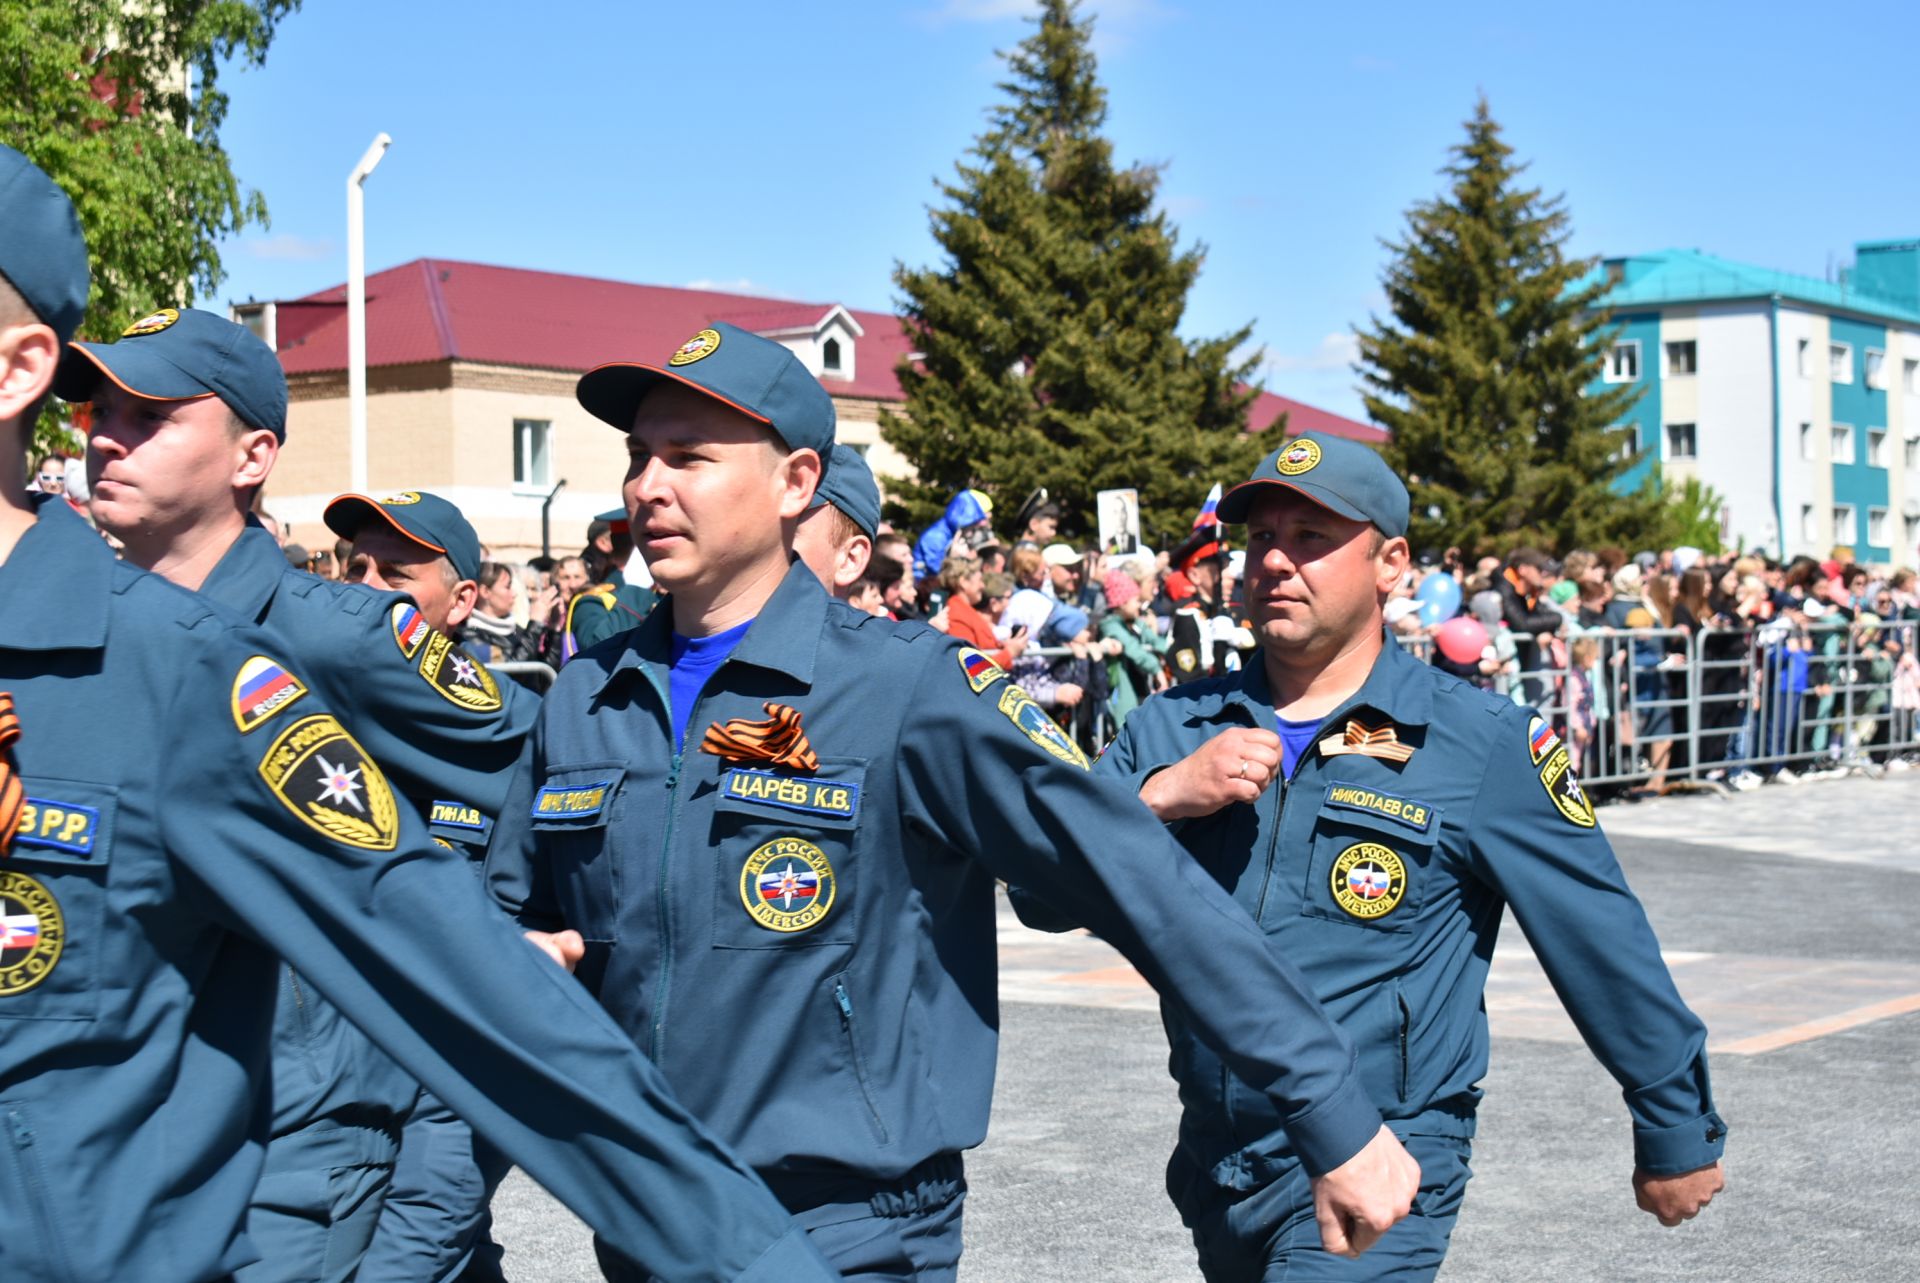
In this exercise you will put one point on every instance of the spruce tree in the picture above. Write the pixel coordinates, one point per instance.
(1047, 351)
(1482, 372)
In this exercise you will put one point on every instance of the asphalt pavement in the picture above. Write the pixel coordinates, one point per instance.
(1791, 919)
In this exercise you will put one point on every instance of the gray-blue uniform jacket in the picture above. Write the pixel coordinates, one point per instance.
(809, 955)
(1384, 881)
(447, 736)
(196, 809)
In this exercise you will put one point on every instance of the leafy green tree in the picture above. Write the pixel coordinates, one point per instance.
(121, 103)
(1047, 347)
(1485, 371)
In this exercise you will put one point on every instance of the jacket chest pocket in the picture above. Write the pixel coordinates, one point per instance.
(786, 875)
(1370, 860)
(574, 810)
(54, 888)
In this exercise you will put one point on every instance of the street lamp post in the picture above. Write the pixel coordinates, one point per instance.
(357, 312)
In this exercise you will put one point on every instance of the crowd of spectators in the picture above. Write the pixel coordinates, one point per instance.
(1788, 667)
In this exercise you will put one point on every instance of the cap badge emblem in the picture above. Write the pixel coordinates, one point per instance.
(152, 322)
(699, 347)
(400, 499)
(1301, 456)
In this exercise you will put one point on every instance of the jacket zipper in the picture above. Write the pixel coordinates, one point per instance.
(657, 1034)
(27, 1157)
(859, 1065)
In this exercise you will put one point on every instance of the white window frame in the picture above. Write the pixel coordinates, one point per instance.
(1612, 356)
(1839, 362)
(1877, 527)
(1876, 371)
(1692, 348)
(1876, 447)
(1801, 363)
(1693, 441)
(1809, 444)
(1809, 524)
(1910, 372)
(1846, 523)
(1840, 438)
(838, 367)
(1629, 446)
(525, 433)
(1912, 444)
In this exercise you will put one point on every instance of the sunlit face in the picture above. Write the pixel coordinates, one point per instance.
(158, 468)
(570, 576)
(398, 564)
(1315, 579)
(707, 488)
(498, 599)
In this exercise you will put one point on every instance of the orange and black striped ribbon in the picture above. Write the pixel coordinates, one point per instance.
(13, 794)
(778, 741)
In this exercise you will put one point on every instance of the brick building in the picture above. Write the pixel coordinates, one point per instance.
(470, 376)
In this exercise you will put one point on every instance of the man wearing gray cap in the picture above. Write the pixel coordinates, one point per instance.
(1377, 816)
(835, 536)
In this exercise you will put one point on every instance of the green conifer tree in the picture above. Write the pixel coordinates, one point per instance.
(1047, 347)
(1484, 371)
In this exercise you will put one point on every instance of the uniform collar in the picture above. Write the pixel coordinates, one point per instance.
(57, 584)
(784, 636)
(1398, 686)
(249, 574)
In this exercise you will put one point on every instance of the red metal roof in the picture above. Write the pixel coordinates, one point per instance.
(440, 309)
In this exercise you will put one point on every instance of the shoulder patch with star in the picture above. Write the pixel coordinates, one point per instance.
(457, 675)
(320, 774)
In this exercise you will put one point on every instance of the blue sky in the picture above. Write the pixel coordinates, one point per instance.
(790, 148)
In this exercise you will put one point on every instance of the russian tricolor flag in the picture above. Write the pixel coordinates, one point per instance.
(1209, 510)
(976, 664)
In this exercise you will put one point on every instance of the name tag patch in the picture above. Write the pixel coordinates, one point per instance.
(458, 815)
(571, 801)
(58, 826)
(835, 799)
(1415, 815)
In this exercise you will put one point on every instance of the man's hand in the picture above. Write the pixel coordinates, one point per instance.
(564, 947)
(1067, 694)
(1361, 1199)
(1678, 1198)
(1234, 766)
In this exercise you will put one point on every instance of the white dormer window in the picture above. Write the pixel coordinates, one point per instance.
(830, 356)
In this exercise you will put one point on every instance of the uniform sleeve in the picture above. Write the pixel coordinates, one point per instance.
(435, 1204)
(1534, 837)
(299, 843)
(994, 778)
(423, 708)
(514, 874)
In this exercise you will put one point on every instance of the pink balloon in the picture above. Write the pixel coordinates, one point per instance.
(1461, 640)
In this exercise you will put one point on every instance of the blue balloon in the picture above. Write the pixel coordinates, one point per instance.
(1439, 598)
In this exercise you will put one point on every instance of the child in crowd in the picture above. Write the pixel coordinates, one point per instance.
(1136, 671)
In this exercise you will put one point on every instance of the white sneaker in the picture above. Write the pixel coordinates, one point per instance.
(1785, 776)
(1745, 782)
(1899, 764)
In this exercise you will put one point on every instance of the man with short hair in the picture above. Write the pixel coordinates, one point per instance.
(1378, 817)
(177, 805)
(189, 416)
(415, 543)
(767, 812)
(835, 536)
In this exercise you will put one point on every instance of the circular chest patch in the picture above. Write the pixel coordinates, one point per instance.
(700, 346)
(787, 885)
(1301, 456)
(1369, 880)
(152, 323)
(32, 933)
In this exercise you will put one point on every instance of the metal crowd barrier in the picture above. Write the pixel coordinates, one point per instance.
(541, 673)
(1655, 706)
(1089, 721)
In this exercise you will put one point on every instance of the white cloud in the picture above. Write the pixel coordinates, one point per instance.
(287, 247)
(1336, 351)
(739, 285)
